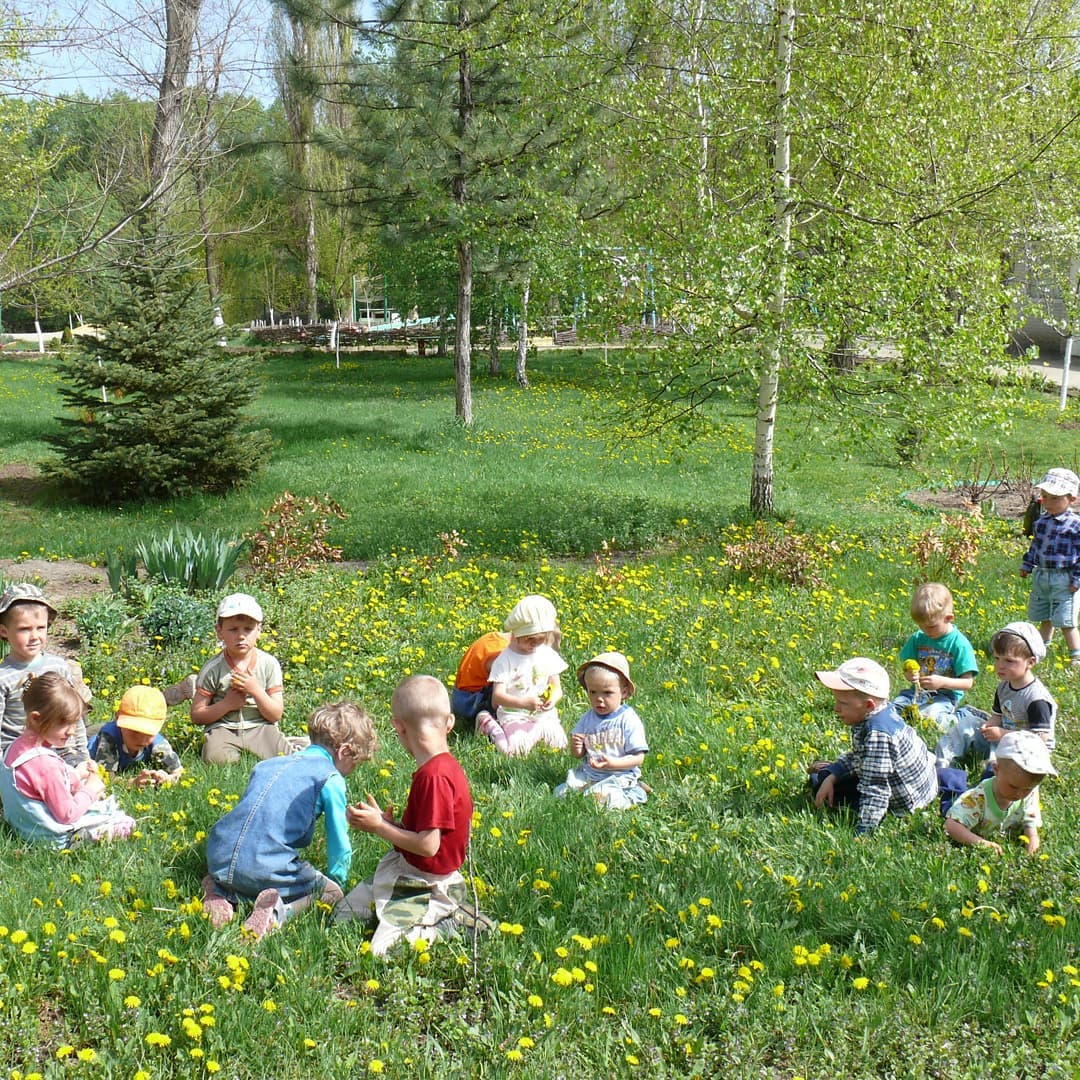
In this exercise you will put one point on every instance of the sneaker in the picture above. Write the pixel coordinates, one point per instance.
(184, 690)
(487, 725)
(217, 908)
(268, 914)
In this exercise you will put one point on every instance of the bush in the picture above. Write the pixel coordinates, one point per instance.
(175, 618)
(293, 534)
(193, 560)
(102, 619)
(171, 422)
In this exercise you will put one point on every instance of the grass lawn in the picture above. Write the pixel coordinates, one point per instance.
(722, 928)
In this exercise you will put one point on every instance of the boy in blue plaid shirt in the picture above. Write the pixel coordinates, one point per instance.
(888, 769)
(1053, 560)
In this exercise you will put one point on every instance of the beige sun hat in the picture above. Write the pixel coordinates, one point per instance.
(613, 661)
(24, 593)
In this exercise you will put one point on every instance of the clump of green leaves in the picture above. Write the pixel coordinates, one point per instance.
(195, 561)
(102, 619)
(292, 536)
(782, 554)
(175, 618)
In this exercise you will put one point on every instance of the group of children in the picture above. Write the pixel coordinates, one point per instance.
(890, 769)
(509, 686)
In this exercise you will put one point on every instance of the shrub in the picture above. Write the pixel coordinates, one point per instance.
(102, 619)
(780, 553)
(950, 546)
(193, 560)
(175, 618)
(292, 536)
(170, 423)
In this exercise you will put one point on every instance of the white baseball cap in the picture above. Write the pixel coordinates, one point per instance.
(239, 603)
(1026, 750)
(1059, 482)
(858, 673)
(1030, 636)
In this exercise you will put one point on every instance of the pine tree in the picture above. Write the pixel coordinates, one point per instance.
(156, 409)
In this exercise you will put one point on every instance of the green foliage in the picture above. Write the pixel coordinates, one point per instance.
(101, 620)
(120, 566)
(154, 408)
(292, 536)
(198, 562)
(174, 618)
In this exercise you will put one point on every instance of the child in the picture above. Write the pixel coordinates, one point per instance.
(472, 690)
(46, 800)
(133, 739)
(253, 852)
(888, 768)
(609, 738)
(525, 682)
(25, 618)
(1053, 561)
(418, 891)
(1021, 702)
(238, 694)
(1007, 803)
(947, 665)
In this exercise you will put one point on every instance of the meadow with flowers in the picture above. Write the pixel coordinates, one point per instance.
(722, 928)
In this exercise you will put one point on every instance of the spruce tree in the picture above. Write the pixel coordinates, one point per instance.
(154, 407)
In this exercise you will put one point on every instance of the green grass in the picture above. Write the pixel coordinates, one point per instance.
(722, 928)
(564, 466)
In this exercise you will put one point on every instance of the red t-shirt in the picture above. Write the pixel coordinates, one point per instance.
(472, 673)
(439, 799)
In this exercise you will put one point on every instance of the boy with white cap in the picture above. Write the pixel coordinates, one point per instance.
(238, 694)
(525, 681)
(1007, 803)
(1053, 560)
(610, 738)
(133, 739)
(1021, 701)
(888, 769)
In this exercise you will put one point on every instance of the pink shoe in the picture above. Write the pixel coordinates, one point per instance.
(487, 725)
(268, 914)
(219, 910)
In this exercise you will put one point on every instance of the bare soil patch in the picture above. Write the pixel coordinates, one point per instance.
(1007, 502)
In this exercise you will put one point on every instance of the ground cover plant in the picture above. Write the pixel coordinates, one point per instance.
(721, 928)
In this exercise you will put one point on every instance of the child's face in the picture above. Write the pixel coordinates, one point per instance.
(935, 626)
(59, 734)
(528, 644)
(1056, 504)
(1012, 783)
(238, 633)
(26, 629)
(852, 706)
(605, 690)
(1013, 669)
(135, 741)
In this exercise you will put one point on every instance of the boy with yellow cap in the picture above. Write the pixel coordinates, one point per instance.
(133, 739)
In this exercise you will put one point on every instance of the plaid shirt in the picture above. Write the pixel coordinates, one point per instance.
(1055, 545)
(895, 770)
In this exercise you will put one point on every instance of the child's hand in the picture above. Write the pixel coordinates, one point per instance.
(366, 816)
(151, 778)
(242, 682)
(95, 786)
(995, 848)
(86, 769)
(1023, 573)
(991, 732)
(601, 762)
(577, 745)
(911, 672)
(928, 682)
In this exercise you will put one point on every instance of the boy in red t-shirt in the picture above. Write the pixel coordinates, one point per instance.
(418, 890)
